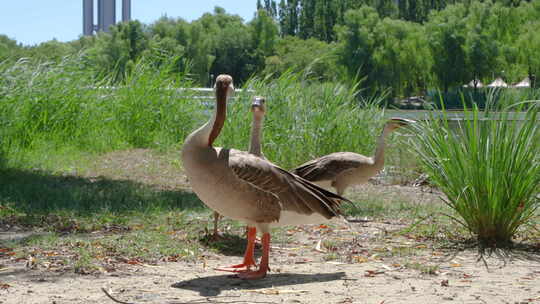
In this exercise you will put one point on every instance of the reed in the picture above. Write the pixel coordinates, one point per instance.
(304, 119)
(488, 167)
(50, 106)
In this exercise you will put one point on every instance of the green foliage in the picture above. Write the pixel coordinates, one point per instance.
(447, 36)
(397, 67)
(528, 42)
(229, 42)
(288, 17)
(489, 169)
(8, 48)
(114, 53)
(62, 104)
(264, 36)
(297, 55)
(480, 47)
(404, 47)
(52, 50)
(357, 44)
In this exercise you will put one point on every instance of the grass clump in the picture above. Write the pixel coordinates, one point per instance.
(55, 106)
(488, 167)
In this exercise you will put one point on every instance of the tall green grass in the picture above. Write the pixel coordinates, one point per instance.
(50, 109)
(488, 167)
(304, 120)
(49, 106)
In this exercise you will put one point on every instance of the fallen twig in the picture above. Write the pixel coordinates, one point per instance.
(112, 298)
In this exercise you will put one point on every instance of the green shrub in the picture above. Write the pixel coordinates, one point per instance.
(488, 167)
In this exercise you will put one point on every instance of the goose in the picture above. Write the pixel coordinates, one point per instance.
(343, 169)
(248, 188)
(258, 108)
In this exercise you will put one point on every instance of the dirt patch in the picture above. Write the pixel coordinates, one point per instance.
(161, 170)
(332, 263)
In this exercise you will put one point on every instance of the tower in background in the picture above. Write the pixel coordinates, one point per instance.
(126, 10)
(106, 15)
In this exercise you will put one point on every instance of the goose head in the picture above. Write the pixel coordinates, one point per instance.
(258, 106)
(397, 122)
(224, 85)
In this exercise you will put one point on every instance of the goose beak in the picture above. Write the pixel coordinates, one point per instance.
(230, 89)
(402, 122)
(257, 103)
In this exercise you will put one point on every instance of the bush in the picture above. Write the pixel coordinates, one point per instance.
(488, 167)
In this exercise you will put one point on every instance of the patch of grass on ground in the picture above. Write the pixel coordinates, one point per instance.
(395, 203)
(144, 239)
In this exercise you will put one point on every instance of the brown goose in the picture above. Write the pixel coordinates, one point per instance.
(258, 108)
(248, 188)
(343, 169)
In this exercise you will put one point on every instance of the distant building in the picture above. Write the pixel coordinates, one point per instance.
(498, 83)
(525, 83)
(106, 15)
(475, 83)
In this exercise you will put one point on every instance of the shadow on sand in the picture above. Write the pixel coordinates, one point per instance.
(214, 285)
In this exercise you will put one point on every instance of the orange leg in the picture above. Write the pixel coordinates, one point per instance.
(257, 240)
(263, 267)
(249, 259)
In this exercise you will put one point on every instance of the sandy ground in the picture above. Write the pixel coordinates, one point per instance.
(302, 272)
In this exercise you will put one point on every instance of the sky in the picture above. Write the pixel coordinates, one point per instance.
(31, 22)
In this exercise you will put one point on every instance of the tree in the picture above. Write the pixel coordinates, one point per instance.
(50, 50)
(480, 46)
(312, 56)
(9, 49)
(401, 57)
(113, 52)
(446, 40)
(288, 17)
(271, 8)
(529, 44)
(264, 35)
(229, 41)
(170, 38)
(198, 51)
(356, 40)
(306, 20)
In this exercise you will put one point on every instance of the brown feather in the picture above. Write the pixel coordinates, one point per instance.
(329, 166)
(293, 192)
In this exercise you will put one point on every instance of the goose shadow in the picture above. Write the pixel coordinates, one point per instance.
(228, 244)
(214, 285)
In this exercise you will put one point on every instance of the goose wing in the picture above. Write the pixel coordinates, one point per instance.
(329, 166)
(291, 191)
